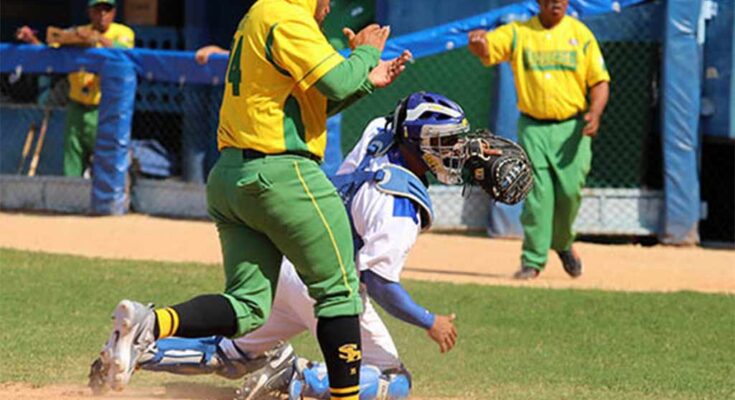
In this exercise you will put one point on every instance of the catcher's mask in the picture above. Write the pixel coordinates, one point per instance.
(431, 125)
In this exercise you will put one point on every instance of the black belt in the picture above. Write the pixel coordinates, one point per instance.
(550, 121)
(250, 154)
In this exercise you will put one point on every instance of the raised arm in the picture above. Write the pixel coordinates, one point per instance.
(363, 71)
(492, 47)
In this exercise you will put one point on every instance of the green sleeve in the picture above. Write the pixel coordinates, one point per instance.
(349, 76)
(334, 107)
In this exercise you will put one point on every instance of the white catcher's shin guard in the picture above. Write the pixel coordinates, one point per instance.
(184, 356)
(197, 356)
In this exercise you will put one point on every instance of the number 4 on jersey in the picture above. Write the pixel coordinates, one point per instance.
(234, 76)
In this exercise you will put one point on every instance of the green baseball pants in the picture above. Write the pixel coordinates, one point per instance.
(561, 158)
(275, 206)
(79, 137)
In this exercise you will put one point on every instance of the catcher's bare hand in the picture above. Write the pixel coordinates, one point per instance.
(477, 43)
(371, 35)
(489, 151)
(592, 124)
(444, 333)
(387, 71)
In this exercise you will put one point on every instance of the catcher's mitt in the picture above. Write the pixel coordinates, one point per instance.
(498, 165)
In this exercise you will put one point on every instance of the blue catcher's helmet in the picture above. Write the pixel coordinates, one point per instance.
(431, 124)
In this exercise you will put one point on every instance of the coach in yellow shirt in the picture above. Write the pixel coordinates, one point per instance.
(267, 194)
(556, 63)
(84, 87)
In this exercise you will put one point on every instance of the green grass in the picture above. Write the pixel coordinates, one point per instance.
(514, 343)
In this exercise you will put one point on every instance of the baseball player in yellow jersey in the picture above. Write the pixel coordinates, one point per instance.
(84, 87)
(267, 194)
(556, 61)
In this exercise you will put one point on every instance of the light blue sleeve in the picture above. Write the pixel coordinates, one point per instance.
(396, 300)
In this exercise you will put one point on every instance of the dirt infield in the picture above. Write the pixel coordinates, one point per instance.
(19, 391)
(178, 391)
(439, 257)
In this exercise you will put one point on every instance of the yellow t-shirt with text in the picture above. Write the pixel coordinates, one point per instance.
(553, 68)
(84, 87)
(270, 104)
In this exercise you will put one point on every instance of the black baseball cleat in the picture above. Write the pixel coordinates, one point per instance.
(526, 273)
(273, 378)
(571, 262)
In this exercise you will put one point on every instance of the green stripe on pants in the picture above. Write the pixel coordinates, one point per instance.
(561, 158)
(269, 207)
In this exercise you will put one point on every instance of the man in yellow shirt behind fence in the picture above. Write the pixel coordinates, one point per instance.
(84, 87)
(555, 61)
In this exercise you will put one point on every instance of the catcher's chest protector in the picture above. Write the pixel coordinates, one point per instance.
(390, 179)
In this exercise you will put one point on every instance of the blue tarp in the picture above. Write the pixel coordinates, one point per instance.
(153, 159)
(407, 16)
(161, 66)
(454, 34)
(180, 66)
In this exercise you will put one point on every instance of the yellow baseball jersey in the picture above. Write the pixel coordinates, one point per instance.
(84, 87)
(270, 105)
(553, 68)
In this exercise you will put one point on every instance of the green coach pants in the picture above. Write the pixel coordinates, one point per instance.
(79, 137)
(275, 206)
(561, 158)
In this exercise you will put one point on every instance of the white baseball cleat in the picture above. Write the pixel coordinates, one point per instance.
(131, 336)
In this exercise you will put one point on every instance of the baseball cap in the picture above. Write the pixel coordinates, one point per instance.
(92, 3)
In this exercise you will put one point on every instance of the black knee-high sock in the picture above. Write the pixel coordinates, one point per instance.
(206, 315)
(339, 339)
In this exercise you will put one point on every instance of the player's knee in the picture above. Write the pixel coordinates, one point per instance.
(250, 314)
(568, 193)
